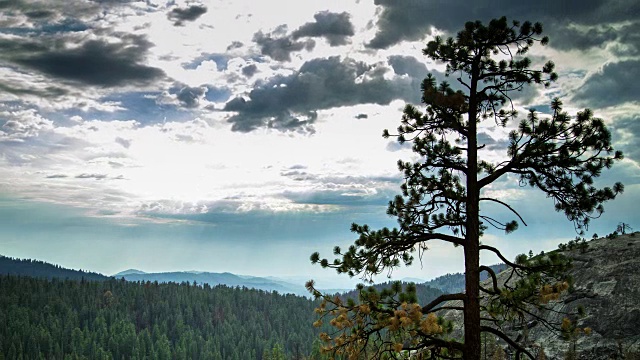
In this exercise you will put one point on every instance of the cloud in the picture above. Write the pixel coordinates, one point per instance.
(249, 70)
(615, 84)
(221, 61)
(21, 124)
(408, 65)
(362, 116)
(124, 142)
(279, 46)
(341, 197)
(40, 14)
(91, 176)
(628, 40)
(57, 176)
(190, 97)
(394, 146)
(583, 39)
(335, 27)
(191, 13)
(291, 102)
(185, 96)
(625, 134)
(409, 20)
(96, 62)
(235, 45)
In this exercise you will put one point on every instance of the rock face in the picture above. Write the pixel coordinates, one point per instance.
(607, 285)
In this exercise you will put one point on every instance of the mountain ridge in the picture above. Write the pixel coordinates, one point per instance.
(41, 269)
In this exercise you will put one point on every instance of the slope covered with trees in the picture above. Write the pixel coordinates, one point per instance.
(41, 269)
(115, 319)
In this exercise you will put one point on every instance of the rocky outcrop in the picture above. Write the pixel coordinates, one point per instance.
(607, 285)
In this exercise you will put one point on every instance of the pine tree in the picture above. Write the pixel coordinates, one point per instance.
(444, 196)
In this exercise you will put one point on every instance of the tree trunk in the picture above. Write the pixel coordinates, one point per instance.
(472, 343)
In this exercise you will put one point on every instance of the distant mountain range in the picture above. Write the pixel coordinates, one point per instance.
(449, 283)
(228, 279)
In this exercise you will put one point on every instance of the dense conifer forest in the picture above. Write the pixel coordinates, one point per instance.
(114, 319)
(50, 312)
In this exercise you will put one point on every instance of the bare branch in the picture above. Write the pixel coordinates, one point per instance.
(507, 206)
(440, 299)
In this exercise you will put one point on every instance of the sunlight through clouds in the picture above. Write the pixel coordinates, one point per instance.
(244, 124)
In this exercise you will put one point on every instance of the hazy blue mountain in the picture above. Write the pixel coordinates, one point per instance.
(214, 279)
(41, 269)
(449, 283)
(128, 272)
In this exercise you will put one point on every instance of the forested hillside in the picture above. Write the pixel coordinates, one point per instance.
(35, 268)
(115, 319)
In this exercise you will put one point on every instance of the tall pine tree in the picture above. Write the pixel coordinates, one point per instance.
(444, 198)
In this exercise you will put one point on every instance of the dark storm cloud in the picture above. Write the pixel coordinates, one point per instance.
(629, 40)
(572, 38)
(96, 62)
(408, 65)
(279, 46)
(249, 70)
(191, 13)
(401, 20)
(39, 14)
(617, 83)
(335, 27)
(11, 46)
(291, 102)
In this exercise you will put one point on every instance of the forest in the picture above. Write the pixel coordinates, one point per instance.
(115, 319)
(50, 312)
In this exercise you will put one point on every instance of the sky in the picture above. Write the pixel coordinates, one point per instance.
(242, 136)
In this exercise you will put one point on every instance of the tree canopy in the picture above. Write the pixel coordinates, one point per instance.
(117, 319)
(444, 197)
